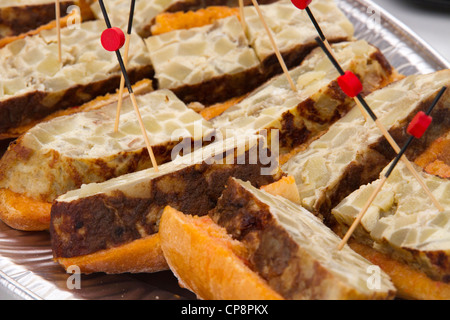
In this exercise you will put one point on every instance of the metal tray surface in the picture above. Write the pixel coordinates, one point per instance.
(27, 270)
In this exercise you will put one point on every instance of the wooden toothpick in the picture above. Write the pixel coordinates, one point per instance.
(242, 15)
(417, 128)
(361, 214)
(112, 40)
(125, 61)
(304, 5)
(275, 47)
(361, 102)
(58, 28)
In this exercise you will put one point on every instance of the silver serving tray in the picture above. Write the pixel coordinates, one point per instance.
(27, 270)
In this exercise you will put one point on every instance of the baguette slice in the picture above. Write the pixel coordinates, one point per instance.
(114, 213)
(208, 64)
(353, 152)
(293, 250)
(293, 31)
(403, 222)
(410, 283)
(33, 84)
(302, 116)
(66, 152)
(436, 159)
(207, 261)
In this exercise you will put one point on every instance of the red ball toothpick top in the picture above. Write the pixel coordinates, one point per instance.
(419, 125)
(113, 39)
(301, 4)
(350, 84)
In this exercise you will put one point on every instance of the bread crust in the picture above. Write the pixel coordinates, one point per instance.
(410, 283)
(169, 21)
(52, 24)
(142, 255)
(24, 213)
(202, 257)
(221, 88)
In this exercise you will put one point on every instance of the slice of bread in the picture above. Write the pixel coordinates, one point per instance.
(214, 62)
(285, 187)
(207, 261)
(293, 250)
(293, 31)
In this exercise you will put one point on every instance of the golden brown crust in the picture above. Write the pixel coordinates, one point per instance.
(25, 20)
(23, 213)
(203, 258)
(222, 88)
(285, 187)
(142, 255)
(217, 109)
(410, 283)
(436, 159)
